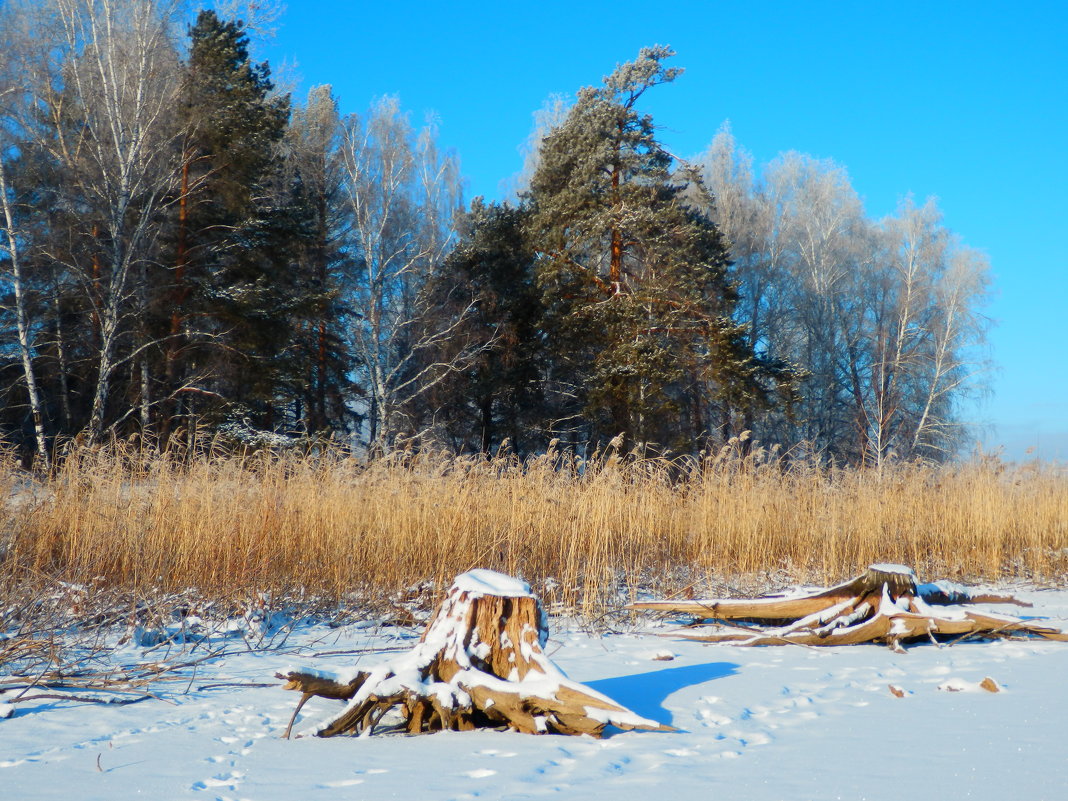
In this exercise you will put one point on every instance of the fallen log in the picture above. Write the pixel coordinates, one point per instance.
(479, 664)
(884, 604)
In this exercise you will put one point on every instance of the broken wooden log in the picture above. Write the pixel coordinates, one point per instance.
(479, 664)
(884, 604)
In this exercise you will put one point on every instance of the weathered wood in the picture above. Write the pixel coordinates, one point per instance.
(314, 684)
(897, 580)
(884, 604)
(756, 609)
(479, 663)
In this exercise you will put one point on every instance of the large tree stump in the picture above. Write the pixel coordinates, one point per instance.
(479, 664)
(884, 604)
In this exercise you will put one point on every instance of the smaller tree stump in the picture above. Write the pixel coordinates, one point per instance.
(479, 664)
(884, 604)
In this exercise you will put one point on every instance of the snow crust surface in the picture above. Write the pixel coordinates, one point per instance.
(481, 581)
(761, 724)
(889, 567)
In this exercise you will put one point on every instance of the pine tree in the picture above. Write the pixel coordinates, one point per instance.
(634, 277)
(314, 165)
(490, 274)
(241, 221)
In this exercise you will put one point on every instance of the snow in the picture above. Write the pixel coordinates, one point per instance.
(448, 637)
(958, 685)
(889, 567)
(821, 616)
(948, 590)
(761, 724)
(481, 582)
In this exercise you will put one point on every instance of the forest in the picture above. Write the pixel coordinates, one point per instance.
(189, 253)
(284, 407)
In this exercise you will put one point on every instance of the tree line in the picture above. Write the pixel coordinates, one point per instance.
(187, 250)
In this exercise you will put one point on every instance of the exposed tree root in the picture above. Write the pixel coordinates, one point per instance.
(885, 604)
(479, 664)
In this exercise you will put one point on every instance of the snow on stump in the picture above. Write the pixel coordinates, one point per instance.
(479, 664)
(885, 604)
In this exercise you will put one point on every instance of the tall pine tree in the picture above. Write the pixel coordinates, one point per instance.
(314, 167)
(239, 294)
(634, 278)
(487, 283)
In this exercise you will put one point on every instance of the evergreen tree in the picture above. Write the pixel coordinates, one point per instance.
(239, 295)
(314, 164)
(489, 278)
(634, 278)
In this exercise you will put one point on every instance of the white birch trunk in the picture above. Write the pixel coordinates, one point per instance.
(22, 322)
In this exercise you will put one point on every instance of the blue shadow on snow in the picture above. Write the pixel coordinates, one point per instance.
(645, 693)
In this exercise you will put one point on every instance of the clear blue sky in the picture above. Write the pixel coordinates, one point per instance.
(966, 101)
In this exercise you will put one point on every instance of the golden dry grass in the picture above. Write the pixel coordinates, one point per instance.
(334, 527)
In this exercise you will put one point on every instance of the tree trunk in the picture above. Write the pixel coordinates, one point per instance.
(485, 408)
(22, 324)
(179, 298)
(61, 355)
(884, 604)
(479, 664)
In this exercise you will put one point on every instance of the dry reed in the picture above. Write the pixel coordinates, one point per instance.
(586, 534)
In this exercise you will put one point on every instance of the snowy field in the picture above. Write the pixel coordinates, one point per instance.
(784, 722)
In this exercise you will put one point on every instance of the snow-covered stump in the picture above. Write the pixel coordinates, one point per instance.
(884, 604)
(479, 664)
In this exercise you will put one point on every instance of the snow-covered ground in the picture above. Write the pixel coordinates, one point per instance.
(784, 722)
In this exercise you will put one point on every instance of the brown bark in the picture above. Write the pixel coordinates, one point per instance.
(179, 297)
(884, 604)
(615, 266)
(482, 646)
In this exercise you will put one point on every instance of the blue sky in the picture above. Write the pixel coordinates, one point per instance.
(964, 101)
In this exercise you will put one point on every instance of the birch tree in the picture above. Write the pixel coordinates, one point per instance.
(899, 311)
(12, 236)
(401, 194)
(927, 336)
(883, 317)
(751, 215)
(114, 135)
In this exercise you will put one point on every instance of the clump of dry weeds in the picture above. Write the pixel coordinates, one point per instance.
(586, 533)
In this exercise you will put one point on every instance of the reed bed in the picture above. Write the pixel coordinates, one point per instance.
(587, 534)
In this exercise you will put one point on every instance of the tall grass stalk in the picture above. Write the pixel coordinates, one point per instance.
(586, 534)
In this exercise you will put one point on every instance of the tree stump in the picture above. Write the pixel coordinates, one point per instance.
(884, 604)
(479, 664)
